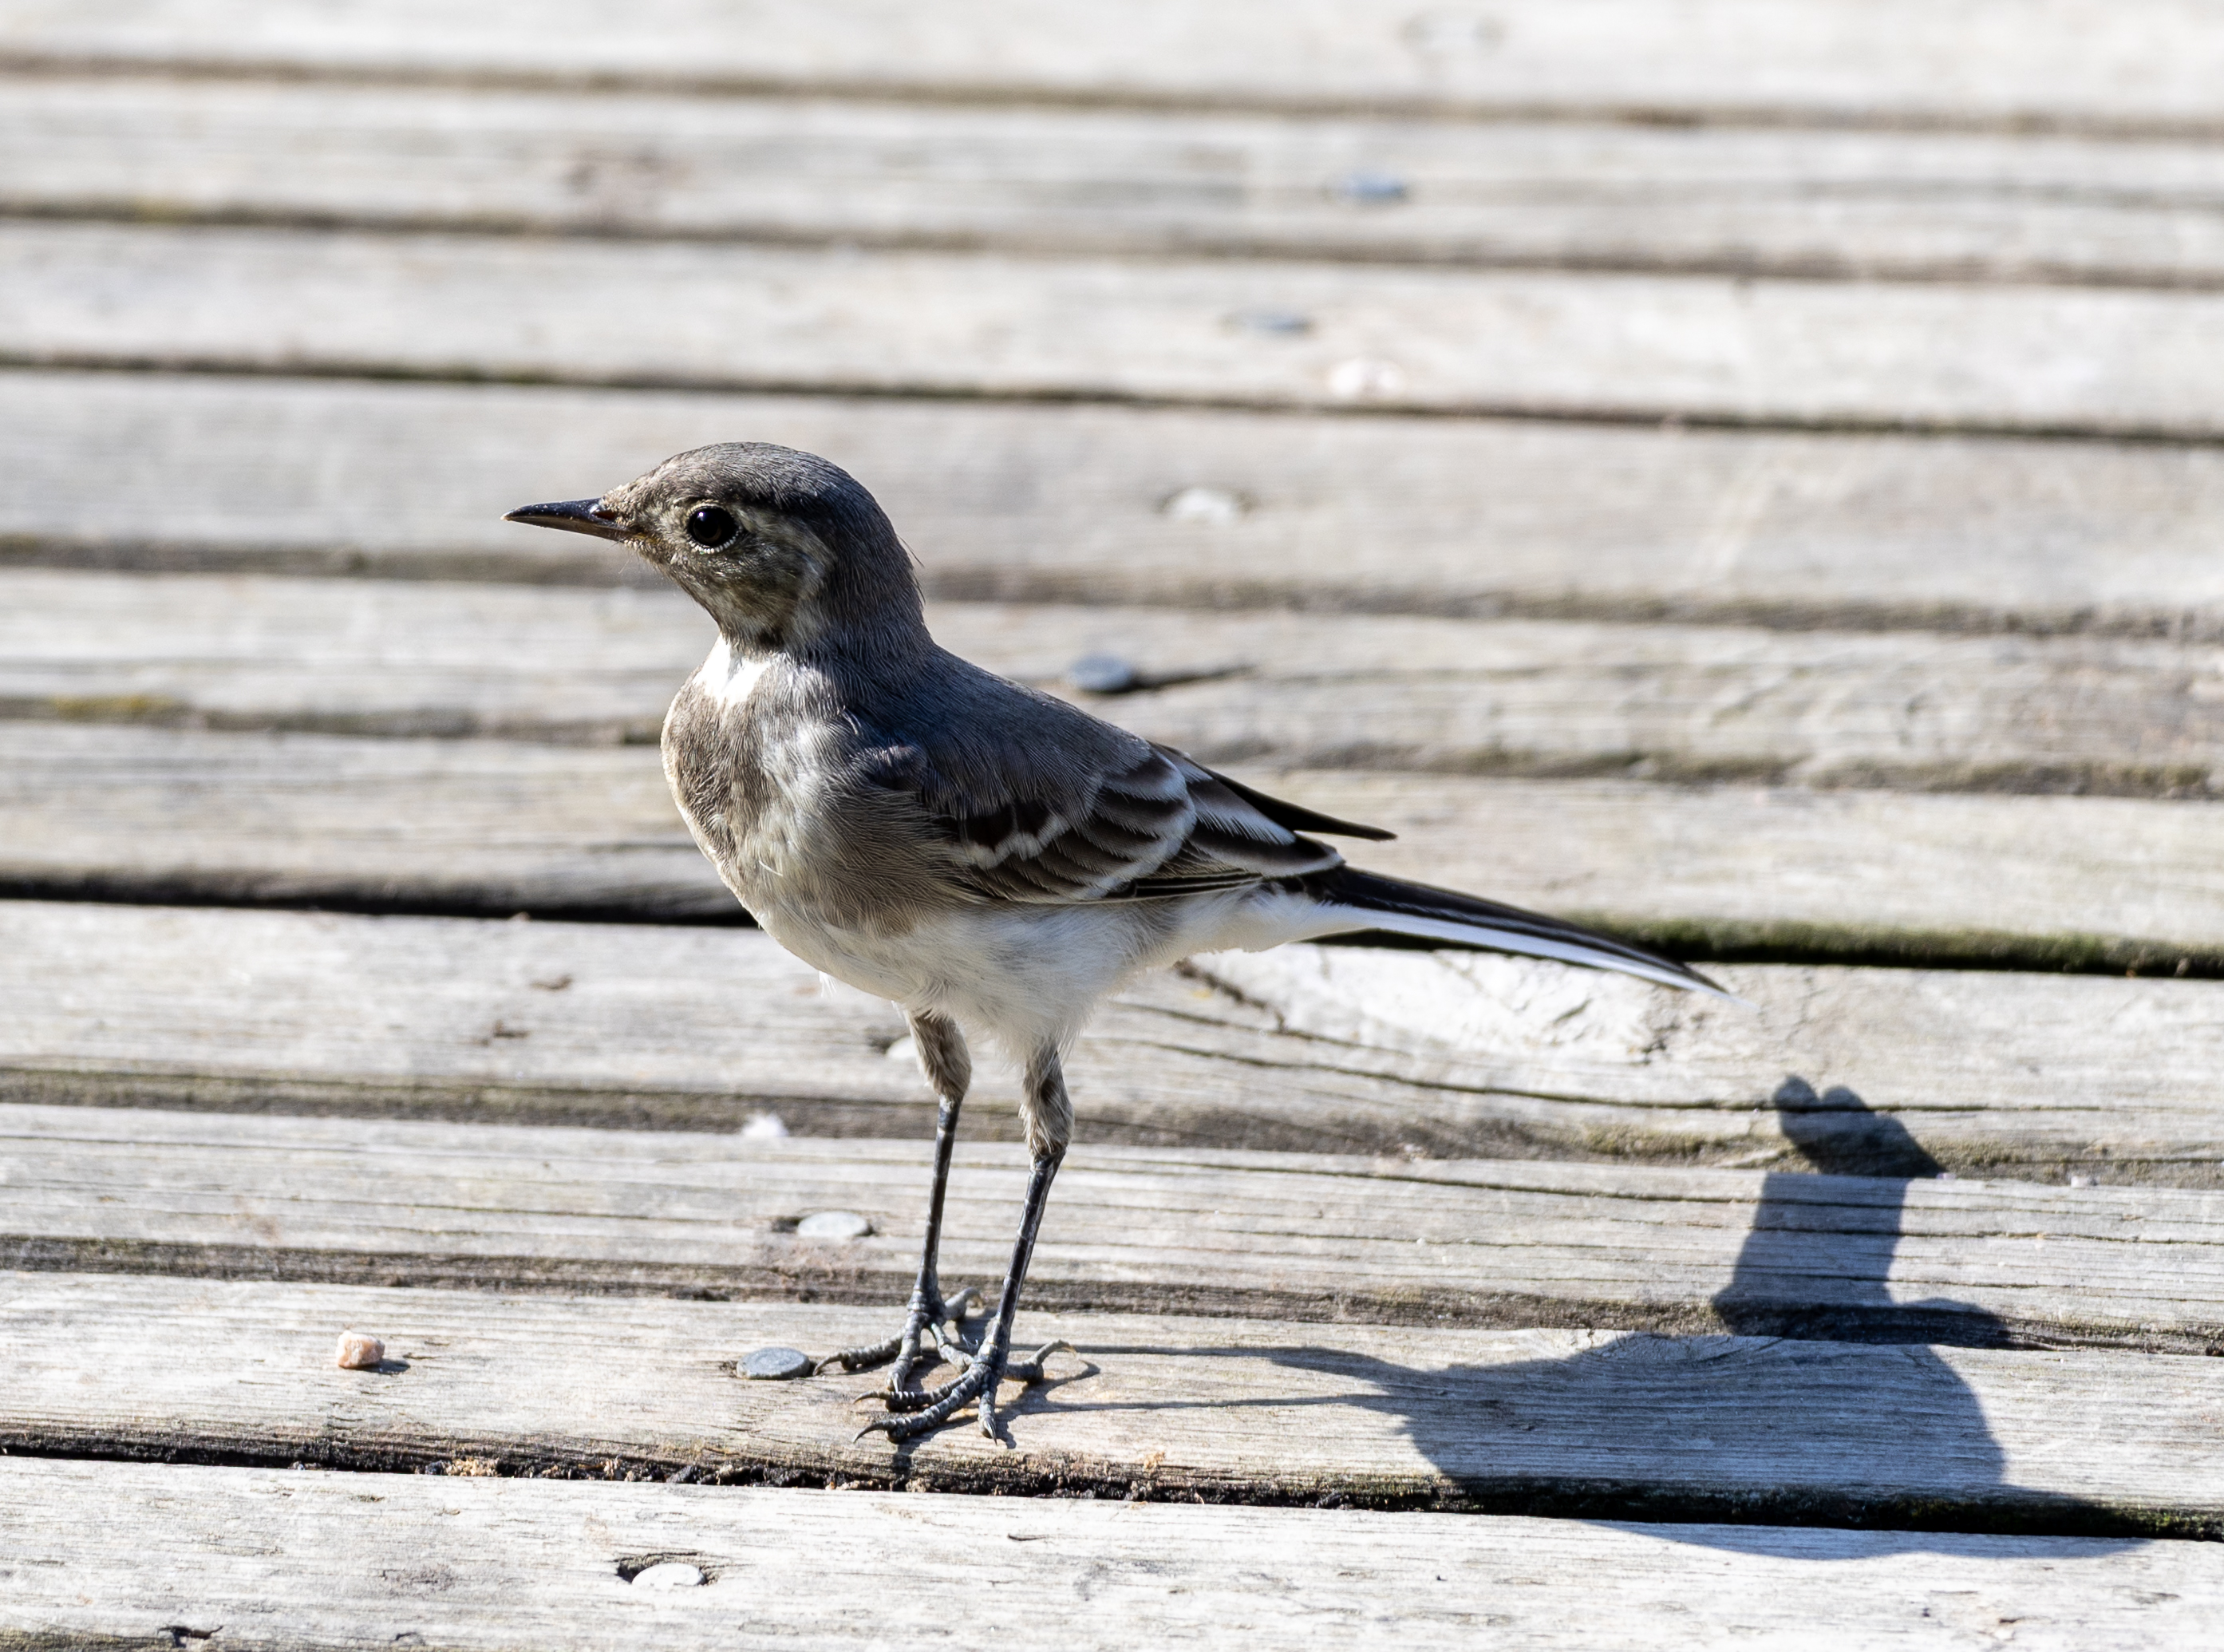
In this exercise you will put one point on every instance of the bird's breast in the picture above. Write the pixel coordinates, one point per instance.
(731, 788)
(763, 785)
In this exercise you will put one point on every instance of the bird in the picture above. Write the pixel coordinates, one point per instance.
(992, 859)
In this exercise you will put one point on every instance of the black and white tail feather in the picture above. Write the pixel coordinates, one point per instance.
(1420, 911)
(1416, 909)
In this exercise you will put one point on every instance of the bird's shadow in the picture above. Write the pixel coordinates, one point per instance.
(1828, 1403)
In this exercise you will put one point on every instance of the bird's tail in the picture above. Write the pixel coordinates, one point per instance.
(1374, 902)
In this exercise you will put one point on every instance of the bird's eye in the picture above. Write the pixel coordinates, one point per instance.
(710, 527)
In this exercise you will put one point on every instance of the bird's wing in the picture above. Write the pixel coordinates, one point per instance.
(1148, 823)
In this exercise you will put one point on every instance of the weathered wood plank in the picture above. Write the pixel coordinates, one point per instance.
(1340, 1050)
(111, 1555)
(2157, 62)
(1805, 202)
(439, 824)
(1565, 1422)
(1844, 1058)
(1923, 355)
(383, 657)
(1505, 697)
(497, 827)
(1085, 504)
(1274, 1236)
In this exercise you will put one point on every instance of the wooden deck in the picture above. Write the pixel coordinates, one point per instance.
(1750, 474)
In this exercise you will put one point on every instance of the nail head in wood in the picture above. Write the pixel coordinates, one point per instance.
(775, 1365)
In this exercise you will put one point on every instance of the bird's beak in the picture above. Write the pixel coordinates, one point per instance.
(573, 515)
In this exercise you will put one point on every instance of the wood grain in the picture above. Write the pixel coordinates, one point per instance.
(1071, 503)
(552, 201)
(1872, 356)
(110, 1551)
(1571, 195)
(487, 826)
(1521, 1422)
(1272, 1236)
(2137, 65)
(1345, 1049)
(1499, 697)
(439, 825)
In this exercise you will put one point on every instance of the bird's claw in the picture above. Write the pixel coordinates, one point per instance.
(928, 1313)
(913, 1412)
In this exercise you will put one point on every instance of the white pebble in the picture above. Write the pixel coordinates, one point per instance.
(764, 1127)
(359, 1352)
(669, 1574)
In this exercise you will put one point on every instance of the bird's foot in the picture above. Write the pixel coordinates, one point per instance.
(913, 1412)
(928, 1315)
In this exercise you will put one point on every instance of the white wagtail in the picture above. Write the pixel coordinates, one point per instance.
(984, 855)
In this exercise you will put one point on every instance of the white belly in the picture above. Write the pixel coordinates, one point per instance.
(1026, 976)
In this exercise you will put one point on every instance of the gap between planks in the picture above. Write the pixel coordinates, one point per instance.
(134, 1555)
(1154, 507)
(1274, 1236)
(1514, 697)
(2071, 64)
(1570, 195)
(1342, 1050)
(482, 827)
(1575, 1424)
(1862, 356)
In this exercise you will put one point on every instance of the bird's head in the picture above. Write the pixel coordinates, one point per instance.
(783, 549)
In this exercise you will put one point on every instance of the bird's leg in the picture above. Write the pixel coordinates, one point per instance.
(949, 1068)
(1049, 1118)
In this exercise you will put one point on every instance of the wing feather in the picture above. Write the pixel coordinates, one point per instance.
(1161, 826)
